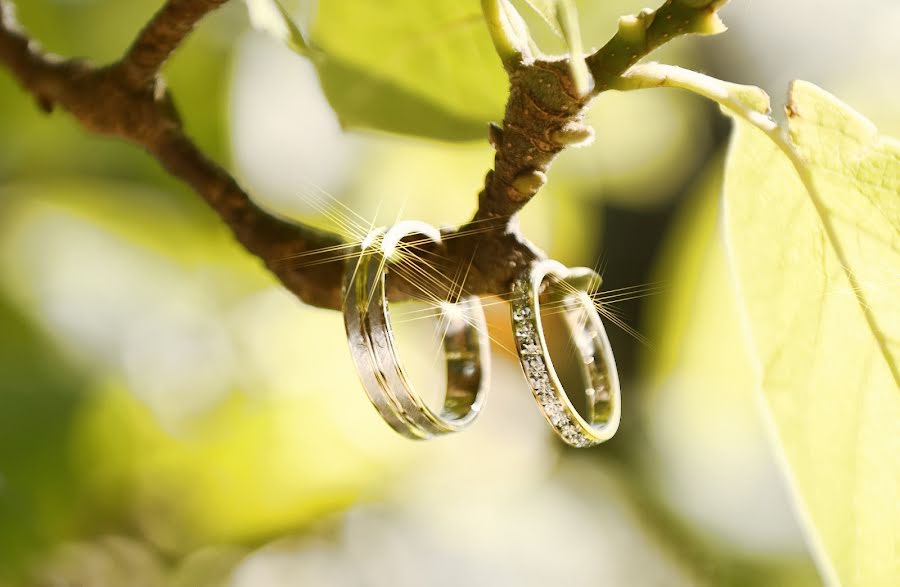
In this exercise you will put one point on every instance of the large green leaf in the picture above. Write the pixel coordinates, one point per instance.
(710, 459)
(813, 224)
(813, 221)
(403, 66)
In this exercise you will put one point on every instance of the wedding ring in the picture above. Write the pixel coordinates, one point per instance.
(372, 345)
(568, 292)
(360, 345)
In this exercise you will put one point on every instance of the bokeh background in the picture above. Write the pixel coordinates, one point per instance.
(170, 416)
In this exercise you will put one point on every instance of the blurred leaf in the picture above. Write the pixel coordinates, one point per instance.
(231, 446)
(709, 461)
(365, 101)
(402, 66)
(254, 467)
(39, 482)
(108, 561)
(813, 220)
(649, 146)
(35, 145)
(70, 28)
(400, 172)
(185, 232)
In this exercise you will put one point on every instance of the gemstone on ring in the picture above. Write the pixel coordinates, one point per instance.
(597, 365)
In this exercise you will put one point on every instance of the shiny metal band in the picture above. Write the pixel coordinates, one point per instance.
(372, 346)
(568, 292)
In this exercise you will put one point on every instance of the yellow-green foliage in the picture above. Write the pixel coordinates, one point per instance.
(814, 228)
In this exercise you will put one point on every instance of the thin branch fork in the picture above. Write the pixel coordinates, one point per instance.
(129, 100)
(545, 112)
(161, 36)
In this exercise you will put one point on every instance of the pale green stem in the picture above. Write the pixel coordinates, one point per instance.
(748, 102)
(567, 17)
(508, 31)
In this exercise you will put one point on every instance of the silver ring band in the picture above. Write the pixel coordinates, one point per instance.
(568, 291)
(371, 339)
(360, 345)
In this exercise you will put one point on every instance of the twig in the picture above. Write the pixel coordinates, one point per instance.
(109, 101)
(129, 100)
(161, 36)
(544, 114)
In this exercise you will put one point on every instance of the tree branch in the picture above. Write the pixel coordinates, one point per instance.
(129, 100)
(544, 114)
(109, 101)
(161, 36)
(640, 34)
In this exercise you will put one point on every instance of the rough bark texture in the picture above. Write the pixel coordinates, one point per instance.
(128, 99)
(543, 116)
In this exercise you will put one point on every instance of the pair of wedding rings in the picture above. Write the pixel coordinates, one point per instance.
(466, 350)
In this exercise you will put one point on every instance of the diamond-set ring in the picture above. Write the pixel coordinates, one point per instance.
(465, 344)
(567, 291)
(371, 339)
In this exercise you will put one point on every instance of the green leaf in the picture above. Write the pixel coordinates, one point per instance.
(813, 221)
(364, 101)
(710, 459)
(402, 66)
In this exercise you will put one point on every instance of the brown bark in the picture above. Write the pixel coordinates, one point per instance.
(129, 100)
